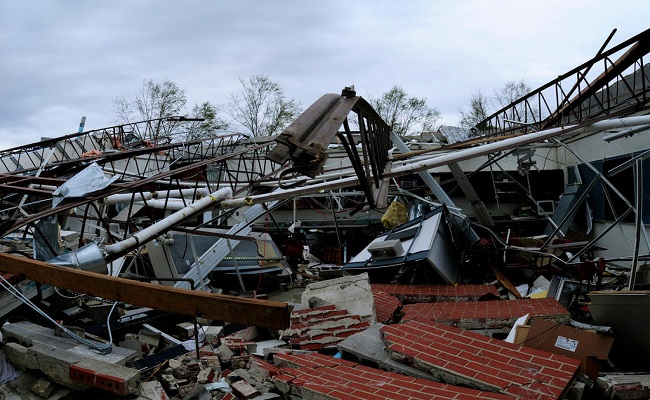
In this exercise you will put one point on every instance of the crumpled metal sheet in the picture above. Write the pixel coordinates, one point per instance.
(90, 180)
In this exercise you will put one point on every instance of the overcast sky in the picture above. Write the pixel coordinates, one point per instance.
(63, 60)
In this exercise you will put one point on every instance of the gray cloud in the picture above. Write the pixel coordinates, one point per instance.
(62, 60)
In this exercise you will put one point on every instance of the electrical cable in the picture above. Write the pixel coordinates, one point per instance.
(101, 349)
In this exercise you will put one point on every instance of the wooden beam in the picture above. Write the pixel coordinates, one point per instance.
(265, 313)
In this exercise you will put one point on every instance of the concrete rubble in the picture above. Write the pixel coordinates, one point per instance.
(435, 343)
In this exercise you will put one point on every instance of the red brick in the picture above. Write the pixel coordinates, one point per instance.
(546, 362)
(352, 381)
(511, 367)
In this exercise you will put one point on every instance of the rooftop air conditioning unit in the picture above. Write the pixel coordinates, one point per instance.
(386, 249)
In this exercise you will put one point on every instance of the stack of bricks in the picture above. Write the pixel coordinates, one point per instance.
(465, 358)
(322, 328)
(436, 293)
(316, 376)
(495, 314)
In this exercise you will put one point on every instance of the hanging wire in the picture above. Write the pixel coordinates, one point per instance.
(100, 348)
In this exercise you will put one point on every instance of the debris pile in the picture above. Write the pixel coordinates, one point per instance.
(330, 353)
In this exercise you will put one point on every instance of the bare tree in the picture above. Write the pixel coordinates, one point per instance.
(478, 111)
(261, 106)
(404, 114)
(155, 100)
(510, 92)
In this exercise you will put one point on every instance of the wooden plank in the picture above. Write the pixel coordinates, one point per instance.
(505, 282)
(264, 313)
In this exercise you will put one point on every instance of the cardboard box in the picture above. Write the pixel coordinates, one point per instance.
(521, 333)
(572, 342)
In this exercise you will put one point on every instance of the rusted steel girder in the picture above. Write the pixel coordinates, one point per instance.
(252, 312)
(12, 225)
(306, 140)
(620, 87)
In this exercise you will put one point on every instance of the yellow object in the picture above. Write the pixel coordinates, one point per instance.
(395, 215)
(540, 295)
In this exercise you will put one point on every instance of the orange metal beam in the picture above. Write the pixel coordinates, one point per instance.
(264, 313)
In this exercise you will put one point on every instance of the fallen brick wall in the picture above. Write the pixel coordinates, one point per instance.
(322, 327)
(461, 357)
(436, 293)
(486, 314)
(322, 377)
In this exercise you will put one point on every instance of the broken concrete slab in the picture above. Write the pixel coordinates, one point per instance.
(466, 358)
(629, 386)
(21, 388)
(436, 293)
(316, 376)
(27, 334)
(52, 362)
(257, 348)
(352, 293)
(497, 314)
(112, 378)
(368, 347)
(66, 361)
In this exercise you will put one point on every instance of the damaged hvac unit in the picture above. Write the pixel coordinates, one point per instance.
(421, 249)
(385, 249)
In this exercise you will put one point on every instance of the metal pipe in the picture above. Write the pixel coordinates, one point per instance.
(638, 174)
(156, 229)
(177, 193)
(168, 204)
(441, 160)
(172, 194)
(125, 198)
(517, 142)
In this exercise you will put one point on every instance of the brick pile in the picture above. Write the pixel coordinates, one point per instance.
(462, 357)
(316, 376)
(322, 328)
(436, 293)
(495, 314)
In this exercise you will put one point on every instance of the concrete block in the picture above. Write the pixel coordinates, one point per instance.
(212, 333)
(205, 375)
(43, 387)
(624, 386)
(19, 356)
(193, 391)
(257, 348)
(134, 345)
(109, 377)
(20, 388)
(28, 334)
(352, 293)
(55, 363)
(244, 390)
(153, 390)
(186, 329)
(224, 353)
